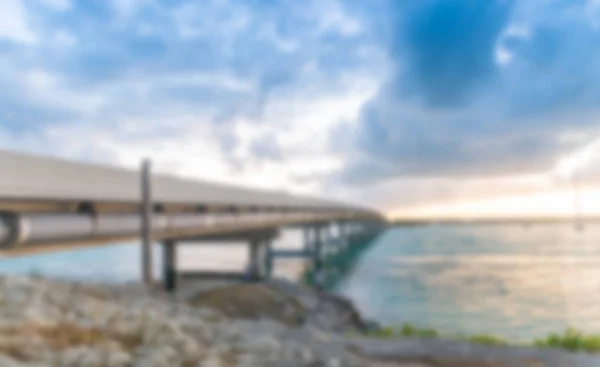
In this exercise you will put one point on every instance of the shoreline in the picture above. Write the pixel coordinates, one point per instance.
(49, 322)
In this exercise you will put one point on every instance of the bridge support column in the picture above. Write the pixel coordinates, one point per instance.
(326, 240)
(254, 260)
(259, 255)
(317, 257)
(307, 239)
(268, 259)
(170, 265)
(343, 234)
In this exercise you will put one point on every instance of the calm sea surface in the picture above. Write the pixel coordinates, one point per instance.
(121, 262)
(508, 280)
(513, 281)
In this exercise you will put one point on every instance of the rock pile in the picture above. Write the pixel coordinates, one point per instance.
(52, 323)
(57, 323)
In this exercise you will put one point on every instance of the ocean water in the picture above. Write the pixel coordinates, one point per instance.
(513, 281)
(509, 280)
(122, 262)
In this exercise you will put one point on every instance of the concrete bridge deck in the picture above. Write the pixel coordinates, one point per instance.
(41, 184)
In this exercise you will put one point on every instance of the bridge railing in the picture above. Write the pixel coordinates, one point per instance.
(30, 229)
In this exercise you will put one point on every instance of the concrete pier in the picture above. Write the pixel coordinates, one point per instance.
(318, 256)
(268, 259)
(321, 243)
(170, 265)
(254, 260)
(258, 241)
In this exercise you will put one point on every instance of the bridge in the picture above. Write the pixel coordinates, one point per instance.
(49, 204)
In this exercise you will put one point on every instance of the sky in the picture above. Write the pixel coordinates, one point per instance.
(429, 107)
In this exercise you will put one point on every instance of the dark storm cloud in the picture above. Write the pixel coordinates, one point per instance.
(447, 45)
(455, 107)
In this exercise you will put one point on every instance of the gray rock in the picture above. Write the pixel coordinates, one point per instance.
(152, 330)
(118, 359)
(6, 361)
(115, 356)
(437, 349)
(82, 356)
(210, 361)
(163, 356)
(261, 344)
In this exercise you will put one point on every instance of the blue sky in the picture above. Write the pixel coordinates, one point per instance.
(394, 102)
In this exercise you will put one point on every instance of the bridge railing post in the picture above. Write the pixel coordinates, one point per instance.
(146, 224)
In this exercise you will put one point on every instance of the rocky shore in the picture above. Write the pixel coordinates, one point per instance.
(57, 323)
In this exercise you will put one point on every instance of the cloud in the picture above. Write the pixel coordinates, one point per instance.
(353, 100)
(480, 88)
(14, 23)
(401, 196)
(448, 46)
(231, 91)
(60, 5)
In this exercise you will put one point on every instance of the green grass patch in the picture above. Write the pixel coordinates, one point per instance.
(487, 340)
(406, 331)
(572, 339)
(410, 331)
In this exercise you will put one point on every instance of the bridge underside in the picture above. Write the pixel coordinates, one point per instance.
(318, 242)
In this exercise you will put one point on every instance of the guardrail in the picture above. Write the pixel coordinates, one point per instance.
(18, 230)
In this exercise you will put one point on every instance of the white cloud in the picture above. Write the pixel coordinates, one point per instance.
(406, 196)
(48, 90)
(333, 17)
(592, 9)
(283, 44)
(14, 23)
(221, 80)
(126, 8)
(503, 56)
(63, 38)
(211, 18)
(122, 121)
(298, 121)
(58, 4)
(580, 164)
(517, 30)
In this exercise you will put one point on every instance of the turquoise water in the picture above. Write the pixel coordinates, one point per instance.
(121, 262)
(113, 263)
(513, 281)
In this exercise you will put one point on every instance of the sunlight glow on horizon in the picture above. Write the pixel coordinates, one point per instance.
(559, 201)
(556, 203)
